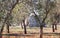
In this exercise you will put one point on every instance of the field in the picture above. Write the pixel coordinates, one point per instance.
(16, 32)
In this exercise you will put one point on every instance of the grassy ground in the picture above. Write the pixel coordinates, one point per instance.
(33, 32)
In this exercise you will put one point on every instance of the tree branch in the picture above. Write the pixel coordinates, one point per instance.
(8, 15)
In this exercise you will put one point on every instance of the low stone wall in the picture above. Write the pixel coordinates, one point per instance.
(51, 35)
(20, 36)
(45, 35)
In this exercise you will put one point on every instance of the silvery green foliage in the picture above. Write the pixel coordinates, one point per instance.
(5, 7)
(44, 5)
